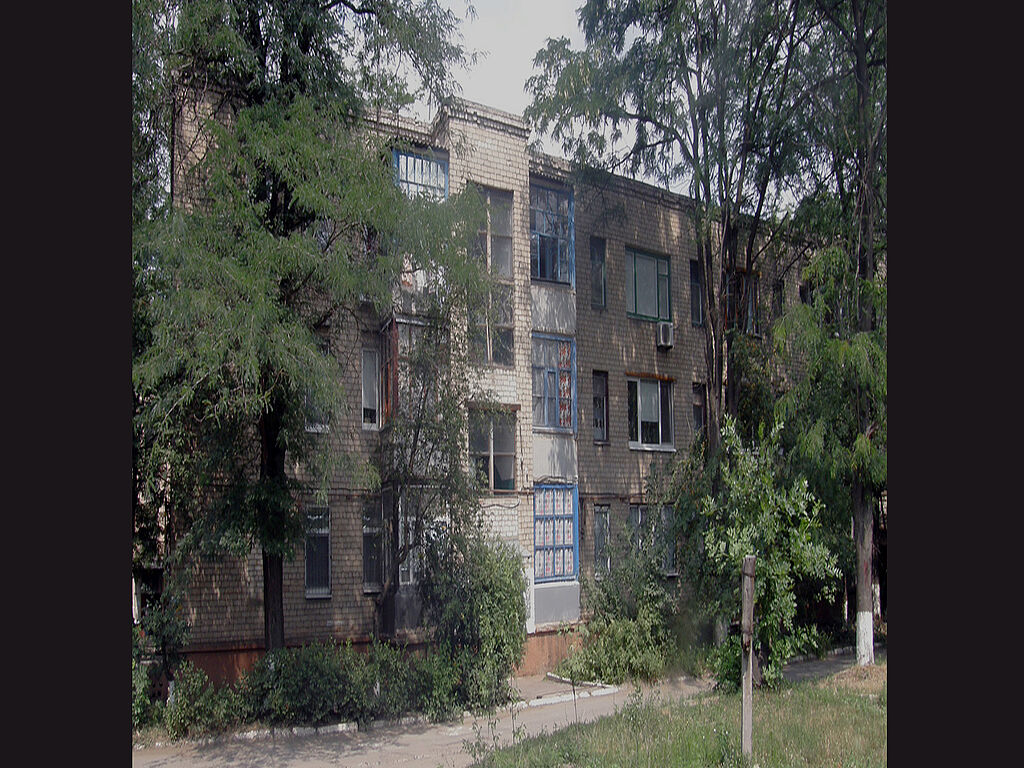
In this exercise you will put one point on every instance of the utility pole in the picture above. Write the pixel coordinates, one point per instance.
(746, 654)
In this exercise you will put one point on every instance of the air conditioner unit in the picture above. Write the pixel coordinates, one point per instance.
(666, 335)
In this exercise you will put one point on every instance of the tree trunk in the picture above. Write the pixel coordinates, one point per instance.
(272, 472)
(273, 601)
(863, 524)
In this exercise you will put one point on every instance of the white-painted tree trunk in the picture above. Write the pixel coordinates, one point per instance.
(865, 639)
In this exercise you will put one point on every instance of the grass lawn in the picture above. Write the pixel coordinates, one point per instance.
(838, 721)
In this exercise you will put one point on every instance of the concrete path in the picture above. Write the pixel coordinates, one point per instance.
(547, 705)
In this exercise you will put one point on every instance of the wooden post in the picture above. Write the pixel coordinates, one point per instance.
(746, 654)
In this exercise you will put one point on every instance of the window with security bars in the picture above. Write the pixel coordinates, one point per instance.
(318, 552)
(552, 254)
(408, 514)
(421, 174)
(555, 533)
(658, 532)
(600, 406)
(602, 552)
(373, 544)
(491, 324)
(554, 383)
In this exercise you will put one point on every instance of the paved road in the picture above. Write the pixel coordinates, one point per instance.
(547, 706)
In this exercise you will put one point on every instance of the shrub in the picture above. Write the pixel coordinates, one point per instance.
(198, 708)
(311, 685)
(140, 696)
(393, 685)
(473, 595)
(628, 634)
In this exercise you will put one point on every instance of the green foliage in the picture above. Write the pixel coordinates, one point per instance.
(164, 632)
(629, 633)
(752, 512)
(473, 597)
(197, 708)
(140, 695)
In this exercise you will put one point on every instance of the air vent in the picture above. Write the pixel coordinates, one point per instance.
(666, 335)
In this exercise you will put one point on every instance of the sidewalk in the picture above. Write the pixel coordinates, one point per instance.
(546, 704)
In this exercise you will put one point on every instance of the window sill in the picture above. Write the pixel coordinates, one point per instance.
(647, 318)
(652, 448)
(554, 430)
(555, 581)
(602, 443)
(372, 589)
(547, 281)
(318, 428)
(318, 595)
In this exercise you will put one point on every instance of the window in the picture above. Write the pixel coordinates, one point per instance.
(555, 539)
(371, 389)
(696, 293)
(598, 276)
(492, 449)
(373, 543)
(401, 337)
(700, 417)
(778, 299)
(408, 513)
(421, 174)
(491, 326)
(741, 302)
(600, 406)
(658, 533)
(650, 412)
(317, 417)
(554, 383)
(551, 234)
(318, 552)
(647, 286)
(602, 552)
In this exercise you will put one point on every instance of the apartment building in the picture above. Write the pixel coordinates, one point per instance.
(597, 359)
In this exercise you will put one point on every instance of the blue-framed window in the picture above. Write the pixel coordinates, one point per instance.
(554, 383)
(552, 234)
(556, 541)
(421, 174)
(648, 286)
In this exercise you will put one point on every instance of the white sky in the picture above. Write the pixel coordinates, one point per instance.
(509, 32)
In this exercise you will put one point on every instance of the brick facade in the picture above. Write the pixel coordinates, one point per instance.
(489, 148)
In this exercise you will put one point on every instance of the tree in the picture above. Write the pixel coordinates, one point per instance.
(839, 409)
(754, 511)
(709, 89)
(280, 212)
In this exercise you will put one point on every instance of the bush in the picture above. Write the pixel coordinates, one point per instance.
(628, 634)
(197, 708)
(309, 685)
(140, 696)
(473, 595)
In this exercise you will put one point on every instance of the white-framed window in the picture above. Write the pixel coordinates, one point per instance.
(371, 388)
(600, 380)
(554, 383)
(423, 173)
(602, 550)
(552, 236)
(555, 533)
(492, 449)
(649, 409)
(491, 326)
(318, 552)
(648, 286)
(598, 274)
(373, 542)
